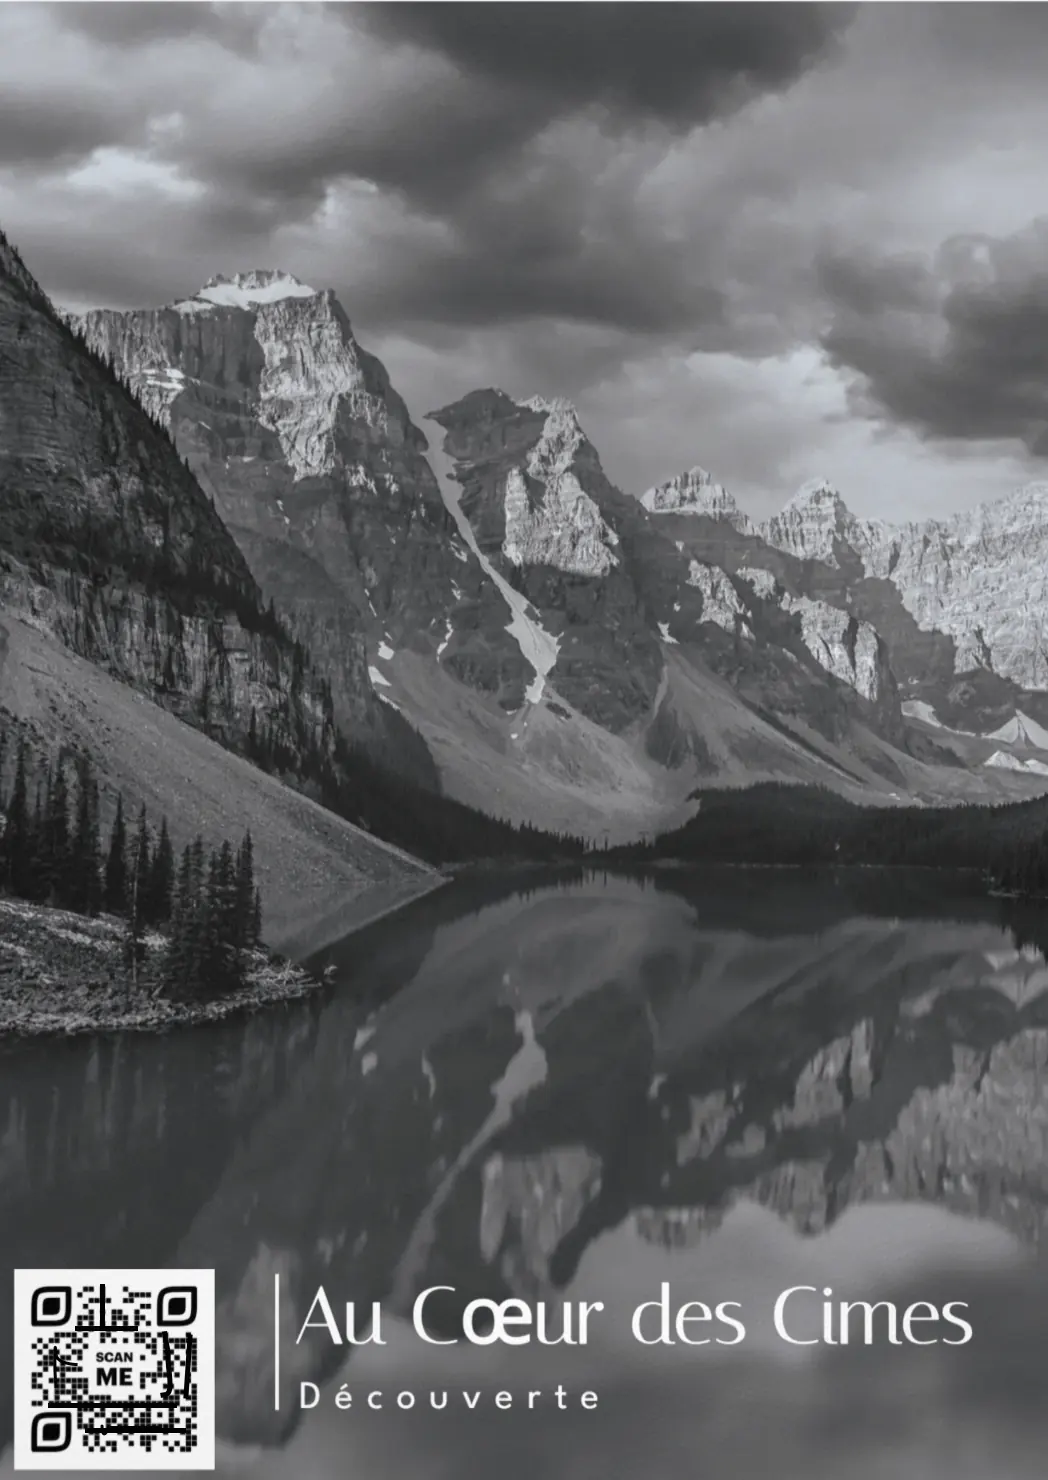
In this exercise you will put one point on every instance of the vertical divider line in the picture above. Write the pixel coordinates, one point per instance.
(276, 1343)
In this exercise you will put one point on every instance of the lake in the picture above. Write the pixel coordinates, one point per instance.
(586, 1088)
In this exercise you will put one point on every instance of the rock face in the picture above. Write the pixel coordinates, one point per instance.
(571, 614)
(695, 492)
(318, 471)
(615, 579)
(979, 578)
(955, 609)
(108, 541)
(549, 521)
(815, 522)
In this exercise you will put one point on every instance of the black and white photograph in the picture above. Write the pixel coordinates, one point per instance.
(524, 740)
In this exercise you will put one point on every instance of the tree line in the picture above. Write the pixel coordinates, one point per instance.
(779, 823)
(347, 780)
(207, 908)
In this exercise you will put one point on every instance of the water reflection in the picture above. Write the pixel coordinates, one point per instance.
(727, 1083)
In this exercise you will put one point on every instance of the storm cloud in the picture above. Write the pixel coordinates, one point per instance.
(680, 64)
(734, 235)
(956, 347)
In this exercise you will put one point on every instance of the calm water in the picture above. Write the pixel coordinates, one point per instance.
(733, 1082)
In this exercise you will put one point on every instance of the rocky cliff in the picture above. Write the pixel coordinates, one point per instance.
(549, 636)
(955, 609)
(544, 514)
(618, 581)
(318, 471)
(978, 579)
(108, 542)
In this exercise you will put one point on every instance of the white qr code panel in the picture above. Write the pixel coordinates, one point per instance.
(114, 1369)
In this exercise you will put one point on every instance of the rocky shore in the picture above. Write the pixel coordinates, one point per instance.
(64, 973)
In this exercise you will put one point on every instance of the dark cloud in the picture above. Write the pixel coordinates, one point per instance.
(550, 246)
(956, 348)
(135, 24)
(491, 79)
(55, 131)
(457, 116)
(681, 64)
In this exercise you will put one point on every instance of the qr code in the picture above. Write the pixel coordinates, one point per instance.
(114, 1369)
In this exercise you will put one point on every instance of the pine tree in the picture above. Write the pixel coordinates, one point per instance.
(84, 883)
(115, 896)
(93, 863)
(244, 892)
(18, 851)
(161, 878)
(255, 936)
(56, 848)
(177, 967)
(138, 897)
(39, 878)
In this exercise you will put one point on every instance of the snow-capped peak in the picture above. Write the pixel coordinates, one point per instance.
(247, 290)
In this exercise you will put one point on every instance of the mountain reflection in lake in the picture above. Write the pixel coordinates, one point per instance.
(734, 1082)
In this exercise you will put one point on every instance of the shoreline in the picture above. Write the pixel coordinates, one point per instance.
(61, 973)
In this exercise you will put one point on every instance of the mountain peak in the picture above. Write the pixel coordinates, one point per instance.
(551, 405)
(246, 290)
(820, 494)
(695, 492)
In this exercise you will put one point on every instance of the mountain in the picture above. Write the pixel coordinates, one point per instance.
(132, 629)
(120, 585)
(109, 541)
(569, 654)
(961, 605)
(317, 470)
(707, 653)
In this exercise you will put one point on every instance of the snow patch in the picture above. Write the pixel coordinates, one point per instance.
(164, 376)
(919, 709)
(385, 651)
(246, 289)
(378, 678)
(1022, 730)
(664, 628)
(538, 647)
(446, 638)
(1004, 761)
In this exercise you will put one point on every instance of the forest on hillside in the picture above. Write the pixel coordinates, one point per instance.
(777, 823)
(206, 907)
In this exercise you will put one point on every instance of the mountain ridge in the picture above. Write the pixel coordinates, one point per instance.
(528, 615)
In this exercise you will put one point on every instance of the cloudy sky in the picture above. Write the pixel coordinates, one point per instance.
(781, 241)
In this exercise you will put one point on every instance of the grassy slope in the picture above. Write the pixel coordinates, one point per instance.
(564, 773)
(308, 861)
